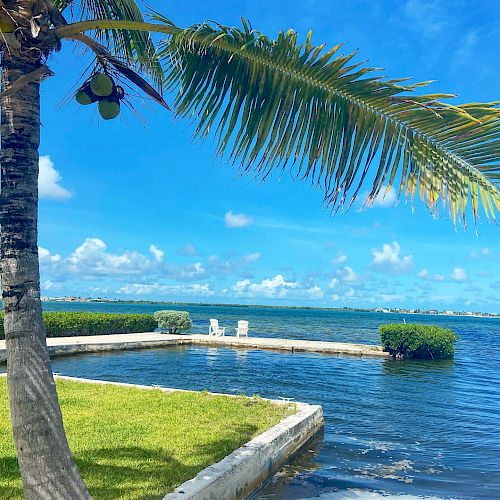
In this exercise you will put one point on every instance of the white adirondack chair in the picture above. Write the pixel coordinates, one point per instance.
(242, 330)
(214, 328)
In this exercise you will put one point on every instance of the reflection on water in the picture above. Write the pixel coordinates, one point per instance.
(417, 369)
(411, 429)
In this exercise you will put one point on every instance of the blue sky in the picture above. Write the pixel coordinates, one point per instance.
(139, 210)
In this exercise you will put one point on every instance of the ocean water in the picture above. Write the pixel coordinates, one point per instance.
(405, 430)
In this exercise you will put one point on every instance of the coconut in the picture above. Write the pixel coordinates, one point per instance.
(109, 108)
(102, 85)
(83, 98)
(85, 95)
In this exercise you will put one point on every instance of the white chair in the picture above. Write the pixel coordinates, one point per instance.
(214, 328)
(242, 330)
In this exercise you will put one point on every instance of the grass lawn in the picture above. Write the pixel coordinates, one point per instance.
(133, 443)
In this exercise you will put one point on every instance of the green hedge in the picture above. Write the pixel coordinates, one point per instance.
(417, 341)
(71, 324)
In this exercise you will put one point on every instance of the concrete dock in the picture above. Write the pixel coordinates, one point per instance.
(62, 346)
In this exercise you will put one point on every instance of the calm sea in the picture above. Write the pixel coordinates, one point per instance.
(411, 429)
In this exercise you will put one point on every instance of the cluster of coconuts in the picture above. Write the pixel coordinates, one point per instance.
(102, 89)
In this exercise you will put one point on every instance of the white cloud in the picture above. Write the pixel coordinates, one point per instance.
(267, 288)
(237, 220)
(350, 276)
(339, 259)
(157, 253)
(250, 258)
(333, 283)
(385, 198)
(45, 257)
(459, 274)
(52, 286)
(347, 275)
(315, 293)
(346, 284)
(155, 289)
(388, 259)
(425, 275)
(191, 271)
(51, 265)
(49, 179)
(241, 286)
(345, 295)
(276, 287)
(91, 258)
(199, 289)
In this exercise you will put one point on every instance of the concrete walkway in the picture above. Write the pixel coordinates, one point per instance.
(291, 345)
(101, 343)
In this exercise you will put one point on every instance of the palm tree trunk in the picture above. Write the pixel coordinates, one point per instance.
(45, 461)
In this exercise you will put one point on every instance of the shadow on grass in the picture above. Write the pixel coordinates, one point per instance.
(132, 472)
(10, 486)
(128, 472)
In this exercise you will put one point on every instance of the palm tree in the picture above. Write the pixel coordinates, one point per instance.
(272, 104)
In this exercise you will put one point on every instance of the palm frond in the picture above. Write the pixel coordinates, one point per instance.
(279, 103)
(134, 47)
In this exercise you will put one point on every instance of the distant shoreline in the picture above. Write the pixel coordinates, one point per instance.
(382, 310)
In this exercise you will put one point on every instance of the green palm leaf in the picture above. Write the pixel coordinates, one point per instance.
(274, 103)
(135, 47)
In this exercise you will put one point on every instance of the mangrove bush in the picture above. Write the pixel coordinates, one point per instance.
(417, 341)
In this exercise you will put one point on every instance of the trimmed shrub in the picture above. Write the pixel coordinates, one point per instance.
(417, 341)
(72, 324)
(173, 321)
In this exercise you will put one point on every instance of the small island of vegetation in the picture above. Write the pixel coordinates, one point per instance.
(417, 341)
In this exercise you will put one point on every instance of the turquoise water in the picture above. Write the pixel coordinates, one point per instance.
(411, 429)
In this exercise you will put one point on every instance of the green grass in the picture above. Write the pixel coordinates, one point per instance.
(132, 443)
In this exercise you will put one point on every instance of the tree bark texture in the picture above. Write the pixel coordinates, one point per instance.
(46, 465)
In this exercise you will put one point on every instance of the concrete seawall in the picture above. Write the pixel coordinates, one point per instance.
(247, 469)
(63, 346)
